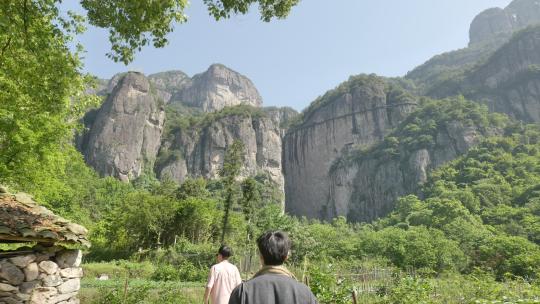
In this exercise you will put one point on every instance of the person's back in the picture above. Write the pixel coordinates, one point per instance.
(223, 278)
(272, 288)
(273, 284)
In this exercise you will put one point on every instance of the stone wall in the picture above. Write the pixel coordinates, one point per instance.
(49, 275)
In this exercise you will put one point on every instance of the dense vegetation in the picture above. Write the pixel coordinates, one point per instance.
(485, 204)
(478, 217)
(180, 117)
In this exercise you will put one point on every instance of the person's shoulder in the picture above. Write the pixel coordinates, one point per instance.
(230, 266)
(272, 278)
(216, 267)
(302, 286)
(237, 294)
(280, 280)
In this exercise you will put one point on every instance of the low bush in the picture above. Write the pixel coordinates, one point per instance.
(119, 269)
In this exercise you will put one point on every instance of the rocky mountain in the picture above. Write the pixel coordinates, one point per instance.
(495, 22)
(360, 112)
(488, 32)
(204, 115)
(217, 88)
(198, 150)
(354, 150)
(365, 183)
(332, 159)
(507, 82)
(170, 83)
(124, 135)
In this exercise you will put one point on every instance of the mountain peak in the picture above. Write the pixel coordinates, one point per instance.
(219, 87)
(496, 22)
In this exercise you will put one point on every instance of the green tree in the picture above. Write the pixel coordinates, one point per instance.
(232, 163)
(250, 201)
(40, 93)
(196, 219)
(195, 188)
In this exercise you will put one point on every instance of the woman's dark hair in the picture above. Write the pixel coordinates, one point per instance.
(274, 247)
(225, 251)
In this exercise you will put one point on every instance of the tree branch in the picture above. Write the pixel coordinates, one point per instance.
(4, 48)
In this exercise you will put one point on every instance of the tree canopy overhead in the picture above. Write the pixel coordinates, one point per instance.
(134, 24)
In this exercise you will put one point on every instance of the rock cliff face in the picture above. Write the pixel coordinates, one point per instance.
(365, 185)
(489, 31)
(500, 68)
(359, 112)
(503, 22)
(324, 175)
(198, 151)
(489, 24)
(124, 134)
(169, 84)
(217, 88)
(282, 117)
(509, 82)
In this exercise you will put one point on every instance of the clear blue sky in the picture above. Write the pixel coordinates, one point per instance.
(318, 46)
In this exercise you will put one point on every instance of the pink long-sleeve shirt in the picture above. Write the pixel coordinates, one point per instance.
(223, 278)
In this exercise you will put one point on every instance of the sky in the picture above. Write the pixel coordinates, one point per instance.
(318, 46)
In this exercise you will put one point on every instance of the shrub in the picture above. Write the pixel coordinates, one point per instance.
(410, 290)
(326, 287)
(185, 272)
(119, 269)
(166, 272)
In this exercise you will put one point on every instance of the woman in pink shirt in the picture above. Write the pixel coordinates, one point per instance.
(223, 278)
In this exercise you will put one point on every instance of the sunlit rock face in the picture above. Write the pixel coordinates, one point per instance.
(358, 113)
(199, 151)
(125, 135)
(217, 88)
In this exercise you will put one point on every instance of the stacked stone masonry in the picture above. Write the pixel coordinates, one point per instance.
(50, 275)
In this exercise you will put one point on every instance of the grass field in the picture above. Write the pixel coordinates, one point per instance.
(184, 292)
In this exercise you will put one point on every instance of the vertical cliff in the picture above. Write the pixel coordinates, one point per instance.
(198, 150)
(365, 183)
(359, 112)
(509, 82)
(124, 134)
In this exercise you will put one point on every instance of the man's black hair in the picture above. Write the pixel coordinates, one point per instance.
(274, 247)
(225, 251)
